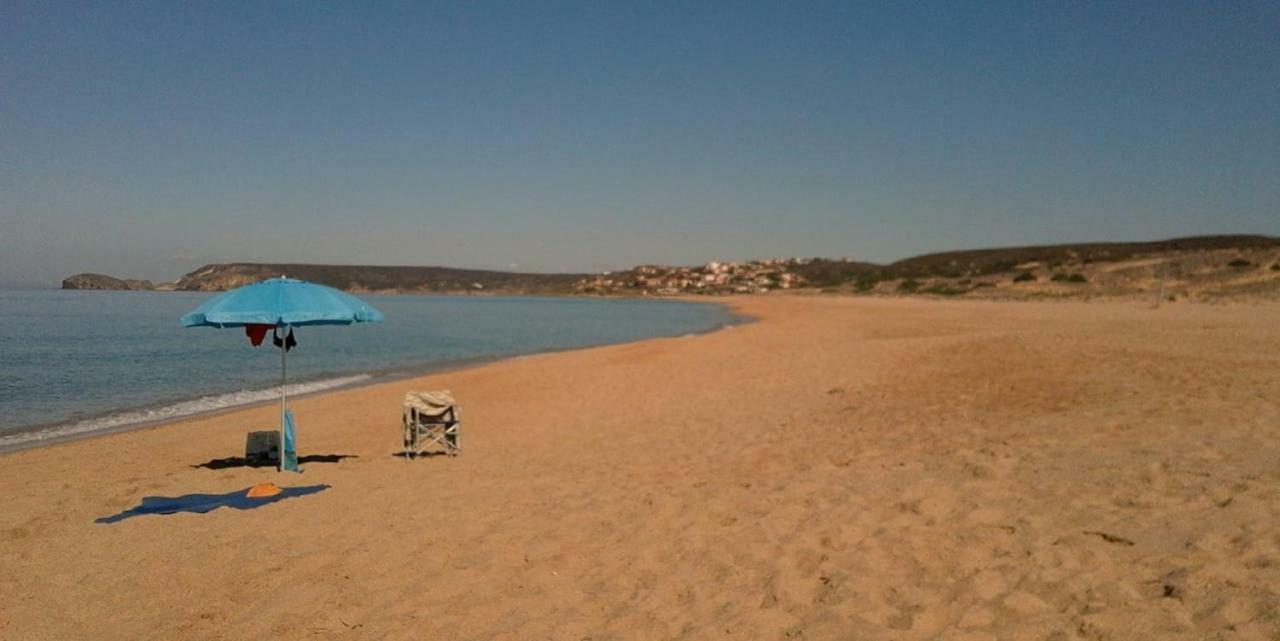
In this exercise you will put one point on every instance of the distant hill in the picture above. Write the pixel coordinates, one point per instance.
(976, 262)
(1196, 267)
(375, 278)
(1202, 267)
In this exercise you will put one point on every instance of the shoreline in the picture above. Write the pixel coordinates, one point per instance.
(736, 318)
(732, 303)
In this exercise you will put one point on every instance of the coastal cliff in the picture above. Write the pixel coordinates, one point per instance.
(379, 278)
(104, 282)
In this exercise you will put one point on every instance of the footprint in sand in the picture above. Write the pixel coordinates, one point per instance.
(989, 584)
(929, 499)
(1025, 603)
(13, 534)
(985, 516)
(976, 618)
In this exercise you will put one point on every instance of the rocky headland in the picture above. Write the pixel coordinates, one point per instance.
(102, 281)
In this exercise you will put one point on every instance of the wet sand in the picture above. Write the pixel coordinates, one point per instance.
(843, 469)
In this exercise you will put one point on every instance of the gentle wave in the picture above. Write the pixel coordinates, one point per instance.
(177, 410)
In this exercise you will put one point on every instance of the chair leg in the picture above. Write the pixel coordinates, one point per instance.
(418, 437)
(452, 437)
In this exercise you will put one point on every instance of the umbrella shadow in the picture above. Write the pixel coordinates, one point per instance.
(240, 461)
(201, 503)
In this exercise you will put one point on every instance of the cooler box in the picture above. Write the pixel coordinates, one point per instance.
(262, 446)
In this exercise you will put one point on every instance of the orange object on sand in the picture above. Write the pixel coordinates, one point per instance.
(262, 490)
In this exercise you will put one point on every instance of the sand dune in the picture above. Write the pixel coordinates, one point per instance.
(843, 469)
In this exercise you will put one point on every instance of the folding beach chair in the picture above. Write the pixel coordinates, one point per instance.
(431, 418)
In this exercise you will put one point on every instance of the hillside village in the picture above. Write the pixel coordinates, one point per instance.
(749, 277)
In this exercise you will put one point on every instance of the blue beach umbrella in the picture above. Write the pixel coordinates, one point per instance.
(281, 304)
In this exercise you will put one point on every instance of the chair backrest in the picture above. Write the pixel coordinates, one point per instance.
(434, 403)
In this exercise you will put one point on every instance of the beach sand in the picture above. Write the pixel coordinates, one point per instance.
(842, 469)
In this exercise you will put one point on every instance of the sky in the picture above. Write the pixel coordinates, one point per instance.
(144, 139)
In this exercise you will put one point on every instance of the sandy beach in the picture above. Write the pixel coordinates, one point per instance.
(845, 468)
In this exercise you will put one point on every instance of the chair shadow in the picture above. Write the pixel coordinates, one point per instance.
(406, 456)
(240, 461)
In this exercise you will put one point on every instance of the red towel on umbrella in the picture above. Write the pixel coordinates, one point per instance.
(256, 333)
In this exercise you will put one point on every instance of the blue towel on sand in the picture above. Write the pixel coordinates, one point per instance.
(202, 503)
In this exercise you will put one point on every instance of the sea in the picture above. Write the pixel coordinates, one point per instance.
(74, 363)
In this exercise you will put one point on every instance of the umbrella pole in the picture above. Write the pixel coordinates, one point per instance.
(283, 370)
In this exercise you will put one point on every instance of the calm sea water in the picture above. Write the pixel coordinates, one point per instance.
(79, 361)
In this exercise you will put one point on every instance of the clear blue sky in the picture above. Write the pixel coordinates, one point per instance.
(145, 139)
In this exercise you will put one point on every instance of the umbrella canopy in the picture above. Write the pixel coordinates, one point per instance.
(281, 301)
(286, 303)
